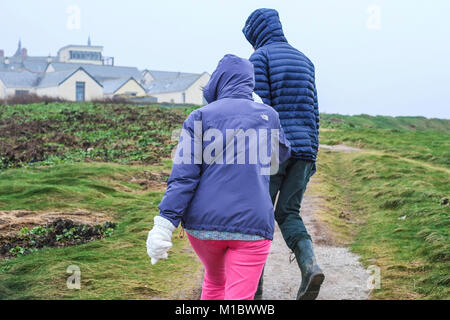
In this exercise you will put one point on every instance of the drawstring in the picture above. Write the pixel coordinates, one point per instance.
(182, 234)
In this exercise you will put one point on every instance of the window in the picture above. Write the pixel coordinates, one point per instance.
(184, 97)
(85, 55)
(21, 93)
(80, 91)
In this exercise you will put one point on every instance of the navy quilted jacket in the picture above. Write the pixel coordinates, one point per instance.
(285, 80)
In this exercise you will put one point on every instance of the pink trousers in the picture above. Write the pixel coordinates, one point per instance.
(232, 268)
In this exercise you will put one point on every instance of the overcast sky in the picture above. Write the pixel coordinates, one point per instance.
(388, 57)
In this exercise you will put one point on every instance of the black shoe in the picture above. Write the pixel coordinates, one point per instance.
(312, 275)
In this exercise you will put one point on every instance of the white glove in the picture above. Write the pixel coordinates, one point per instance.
(159, 239)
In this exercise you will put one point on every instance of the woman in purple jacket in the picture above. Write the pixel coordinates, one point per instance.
(219, 186)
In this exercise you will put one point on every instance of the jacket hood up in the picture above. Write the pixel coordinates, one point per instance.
(263, 27)
(234, 77)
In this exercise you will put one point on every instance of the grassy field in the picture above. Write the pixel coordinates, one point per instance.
(387, 202)
(63, 176)
(112, 268)
(41, 134)
(414, 138)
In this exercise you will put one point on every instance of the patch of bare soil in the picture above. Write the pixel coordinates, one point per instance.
(59, 233)
(24, 141)
(11, 222)
(156, 180)
(345, 277)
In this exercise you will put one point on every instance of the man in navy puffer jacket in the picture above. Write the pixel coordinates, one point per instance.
(285, 80)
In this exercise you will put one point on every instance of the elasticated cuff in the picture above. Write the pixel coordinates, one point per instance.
(164, 223)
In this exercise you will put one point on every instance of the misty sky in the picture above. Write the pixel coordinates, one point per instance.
(387, 57)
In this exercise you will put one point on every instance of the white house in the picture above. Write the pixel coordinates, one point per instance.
(82, 72)
(176, 87)
(69, 85)
(16, 83)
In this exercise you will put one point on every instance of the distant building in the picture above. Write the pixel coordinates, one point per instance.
(72, 85)
(175, 87)
(82, 73)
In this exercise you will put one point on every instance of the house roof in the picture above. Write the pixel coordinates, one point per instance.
(35, 65)
(100, 72)
(28, 79)
(161, 75)
(112, 86)
(54, 79)
(31, 72)
(10, 67)
(166, 85)
(19, 79)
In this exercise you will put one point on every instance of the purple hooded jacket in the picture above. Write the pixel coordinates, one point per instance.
(225, 193)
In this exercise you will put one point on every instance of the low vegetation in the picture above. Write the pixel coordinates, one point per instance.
(415, 138)
(48, 134)
(93, 157)
(58, 233)
(394, 212)
(113, 267)
(389, 202)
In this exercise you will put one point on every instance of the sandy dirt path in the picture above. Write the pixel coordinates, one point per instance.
(345, 277)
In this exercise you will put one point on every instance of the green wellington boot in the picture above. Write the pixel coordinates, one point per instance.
(259, 291)
(312, 275)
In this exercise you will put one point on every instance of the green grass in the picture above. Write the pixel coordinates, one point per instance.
(388, 204)
(112, 268)
(384, 122)
(432, 147)
(48, 134)
(428, 141)
(54, 158)
(385, 202)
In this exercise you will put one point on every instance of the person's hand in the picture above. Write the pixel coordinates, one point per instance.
(159, 239)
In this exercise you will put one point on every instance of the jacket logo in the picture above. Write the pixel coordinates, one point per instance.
(265, 117)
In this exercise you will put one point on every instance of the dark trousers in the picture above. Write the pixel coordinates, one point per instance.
(291, 181)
